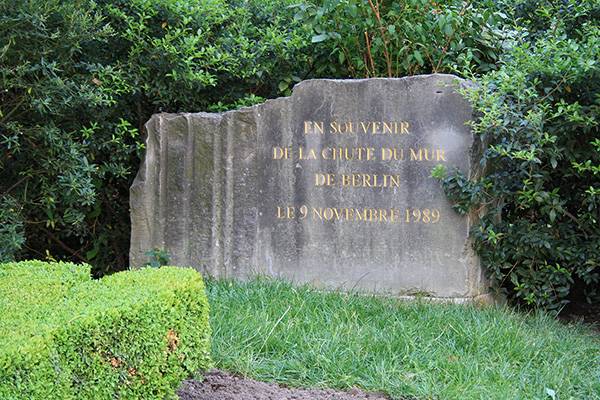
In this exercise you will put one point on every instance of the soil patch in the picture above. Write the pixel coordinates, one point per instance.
(220, 385)
(582, 312)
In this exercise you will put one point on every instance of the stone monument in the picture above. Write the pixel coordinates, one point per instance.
(331, 186)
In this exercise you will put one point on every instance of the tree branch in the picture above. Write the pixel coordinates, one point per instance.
(62, 245)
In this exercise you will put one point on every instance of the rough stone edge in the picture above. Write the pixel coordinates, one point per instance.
(256, 107)
(141, 183)
(482, 299)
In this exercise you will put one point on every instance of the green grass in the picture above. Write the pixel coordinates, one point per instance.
(271, 331)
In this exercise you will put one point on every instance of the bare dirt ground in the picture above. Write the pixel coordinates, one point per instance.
(220, 385)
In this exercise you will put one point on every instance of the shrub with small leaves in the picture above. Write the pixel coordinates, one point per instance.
(12, 235)
(381, 38)
(157, 258)
(131, 335)
(539, 198)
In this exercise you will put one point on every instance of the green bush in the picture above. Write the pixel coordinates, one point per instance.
(79, 79)
(382, 38)
(12, 235)
(539, 198)
(132, 335)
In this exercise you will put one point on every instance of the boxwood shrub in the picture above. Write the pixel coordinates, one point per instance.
(131, 335)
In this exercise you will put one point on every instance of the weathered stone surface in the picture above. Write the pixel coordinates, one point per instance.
(217, 192)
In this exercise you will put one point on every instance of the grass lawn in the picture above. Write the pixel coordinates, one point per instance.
(271, 331)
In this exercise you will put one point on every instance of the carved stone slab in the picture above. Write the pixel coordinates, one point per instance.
(330, 186)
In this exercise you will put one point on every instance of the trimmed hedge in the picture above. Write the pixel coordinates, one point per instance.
(131, 335)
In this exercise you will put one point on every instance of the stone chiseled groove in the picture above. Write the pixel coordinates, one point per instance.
(188, 172)
(228, 203)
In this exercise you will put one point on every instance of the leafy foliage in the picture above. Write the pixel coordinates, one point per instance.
(55, 156)
(12, 236)
(538, 199)
(389, 38)
(157, 258)
(79, 79)
(134, 334)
